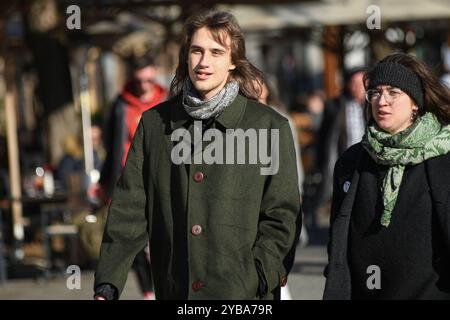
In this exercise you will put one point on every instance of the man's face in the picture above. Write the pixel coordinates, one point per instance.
(209, 63)
(96, 134)
(144, 79)
(356, 86)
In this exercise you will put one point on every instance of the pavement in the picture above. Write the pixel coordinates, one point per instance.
(306, 282)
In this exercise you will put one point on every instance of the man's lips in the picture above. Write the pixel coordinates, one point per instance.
(201, 75)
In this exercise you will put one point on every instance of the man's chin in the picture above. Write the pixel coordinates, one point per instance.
(202, 89)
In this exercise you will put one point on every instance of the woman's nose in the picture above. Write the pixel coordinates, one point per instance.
(382, 99)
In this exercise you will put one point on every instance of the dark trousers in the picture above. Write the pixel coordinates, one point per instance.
(141, 266)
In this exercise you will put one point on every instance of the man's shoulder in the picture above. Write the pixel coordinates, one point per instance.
(262, 112)
(118, 102)
(335, 105)
(160, 110)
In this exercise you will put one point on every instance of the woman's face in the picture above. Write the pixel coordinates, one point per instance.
(391, 108)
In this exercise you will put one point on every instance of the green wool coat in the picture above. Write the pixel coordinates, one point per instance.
(206, 223)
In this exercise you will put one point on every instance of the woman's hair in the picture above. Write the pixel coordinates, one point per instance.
(220, 24)
(436, 95)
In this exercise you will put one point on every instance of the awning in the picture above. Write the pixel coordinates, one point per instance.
(335, 12)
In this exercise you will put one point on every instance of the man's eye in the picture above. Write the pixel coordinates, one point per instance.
(217, 52)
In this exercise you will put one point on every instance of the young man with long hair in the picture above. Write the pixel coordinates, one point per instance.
(220, 229)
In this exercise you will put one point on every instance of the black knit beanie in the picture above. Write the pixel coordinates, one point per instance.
(397, 75)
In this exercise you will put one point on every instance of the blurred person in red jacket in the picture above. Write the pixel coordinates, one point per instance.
(140, 93)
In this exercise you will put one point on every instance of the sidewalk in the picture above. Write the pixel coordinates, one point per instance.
(305, 282)
(56, 289)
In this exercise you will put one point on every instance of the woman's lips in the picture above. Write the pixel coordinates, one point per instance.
(381, 113)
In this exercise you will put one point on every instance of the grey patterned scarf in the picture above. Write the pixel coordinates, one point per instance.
(424, 139)
(199, 109)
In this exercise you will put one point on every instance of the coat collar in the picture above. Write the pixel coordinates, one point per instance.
(178, 117)
(229, 118)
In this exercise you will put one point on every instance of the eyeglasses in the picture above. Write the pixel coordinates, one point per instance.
(390, 95)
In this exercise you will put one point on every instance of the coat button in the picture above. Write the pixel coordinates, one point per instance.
(283, 281)
(198, 176)
(196, 230)
(197, 285)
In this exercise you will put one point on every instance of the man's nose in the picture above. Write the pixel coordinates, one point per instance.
(204, 60)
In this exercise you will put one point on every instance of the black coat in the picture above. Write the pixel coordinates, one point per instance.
(348, 169)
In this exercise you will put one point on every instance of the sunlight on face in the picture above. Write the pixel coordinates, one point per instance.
(209, 63)
(392, 109)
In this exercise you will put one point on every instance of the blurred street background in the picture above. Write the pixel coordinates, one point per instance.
(63, 64)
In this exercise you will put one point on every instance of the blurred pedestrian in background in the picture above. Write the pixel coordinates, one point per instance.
(343, 125)
(71, 164)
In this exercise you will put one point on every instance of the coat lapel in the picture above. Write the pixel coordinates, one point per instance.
(338, 284)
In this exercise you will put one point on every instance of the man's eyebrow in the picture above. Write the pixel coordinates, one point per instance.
(221, 49)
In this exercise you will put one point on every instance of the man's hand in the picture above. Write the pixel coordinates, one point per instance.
(105, 291)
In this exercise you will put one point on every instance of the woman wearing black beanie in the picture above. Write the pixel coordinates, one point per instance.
(390, 216)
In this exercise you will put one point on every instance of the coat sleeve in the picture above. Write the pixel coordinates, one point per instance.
(335, 206)
(126, 227)
(280, 208)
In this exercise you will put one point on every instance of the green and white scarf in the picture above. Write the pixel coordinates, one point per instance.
(426, 138)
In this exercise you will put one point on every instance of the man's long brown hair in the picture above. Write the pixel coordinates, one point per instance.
(436, 95)
(220, 24)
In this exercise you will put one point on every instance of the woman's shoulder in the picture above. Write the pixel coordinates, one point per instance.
(352, 155)
(439, 165)
(438, 174)
(442, 159)
(349, 161)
